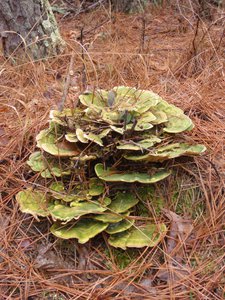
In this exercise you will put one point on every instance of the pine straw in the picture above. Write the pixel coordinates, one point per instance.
(116, 54)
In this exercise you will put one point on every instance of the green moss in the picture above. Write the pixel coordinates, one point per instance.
(188, 200)
(122, 258)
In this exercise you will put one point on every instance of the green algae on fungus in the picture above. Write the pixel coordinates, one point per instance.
(99, 161)
(148, 235)
(112, 175)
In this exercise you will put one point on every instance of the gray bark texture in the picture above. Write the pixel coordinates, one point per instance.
(128, 6)
(28, 27)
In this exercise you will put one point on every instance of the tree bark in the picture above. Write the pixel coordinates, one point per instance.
(28, 27)
(128, 6)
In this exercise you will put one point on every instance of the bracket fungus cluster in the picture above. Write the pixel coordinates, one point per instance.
(94, 159)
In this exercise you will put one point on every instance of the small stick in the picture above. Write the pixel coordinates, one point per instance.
(67, 84)
(84, 75)
(195, 37)
(142, 40)
(92, 29)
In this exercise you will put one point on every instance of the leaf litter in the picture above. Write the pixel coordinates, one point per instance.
(195, 84)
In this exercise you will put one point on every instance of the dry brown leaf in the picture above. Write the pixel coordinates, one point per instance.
(180, 230)
(47, 258)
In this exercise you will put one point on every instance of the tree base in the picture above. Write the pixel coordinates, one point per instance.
(29, 29)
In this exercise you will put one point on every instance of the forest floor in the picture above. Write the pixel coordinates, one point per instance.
(168, 51)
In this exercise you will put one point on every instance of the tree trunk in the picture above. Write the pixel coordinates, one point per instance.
(28, 27)
(128, 6)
